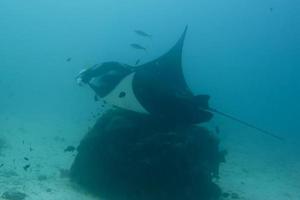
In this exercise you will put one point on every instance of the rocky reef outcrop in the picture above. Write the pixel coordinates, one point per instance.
(131, 156)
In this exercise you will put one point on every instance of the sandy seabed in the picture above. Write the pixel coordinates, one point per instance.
(256, 168)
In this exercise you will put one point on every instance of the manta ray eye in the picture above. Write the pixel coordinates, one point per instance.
(122, 94)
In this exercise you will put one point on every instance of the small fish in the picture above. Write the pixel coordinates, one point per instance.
(137, 46)
(271, 9)
(26, 167)
(25, 158)
(1, 165)
(70, 149)
(137, 61)
(142, 33)
(69, 59)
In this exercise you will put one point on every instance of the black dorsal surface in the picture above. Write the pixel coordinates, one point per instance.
(160, 87)
(165, 72)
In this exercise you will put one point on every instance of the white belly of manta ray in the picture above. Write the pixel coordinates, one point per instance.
(123, 96)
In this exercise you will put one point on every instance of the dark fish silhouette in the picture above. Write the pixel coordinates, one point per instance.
(143, 33)
(25, 158)
(70, 149)
(26, 167)
(137, 46)
(69, 59)
(137, 61)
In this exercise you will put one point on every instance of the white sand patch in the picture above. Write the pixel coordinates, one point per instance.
(259, 167)
(43, 144)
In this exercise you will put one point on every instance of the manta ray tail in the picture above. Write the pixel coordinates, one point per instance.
(247, 124)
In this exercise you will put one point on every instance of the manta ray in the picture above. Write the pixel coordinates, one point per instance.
(155, 88)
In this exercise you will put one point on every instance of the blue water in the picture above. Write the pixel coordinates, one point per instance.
(244, 54)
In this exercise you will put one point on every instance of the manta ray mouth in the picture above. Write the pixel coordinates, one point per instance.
(104, 84)
(105, 77)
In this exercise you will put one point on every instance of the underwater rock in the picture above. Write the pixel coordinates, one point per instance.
(132, 156)
(13, 195)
